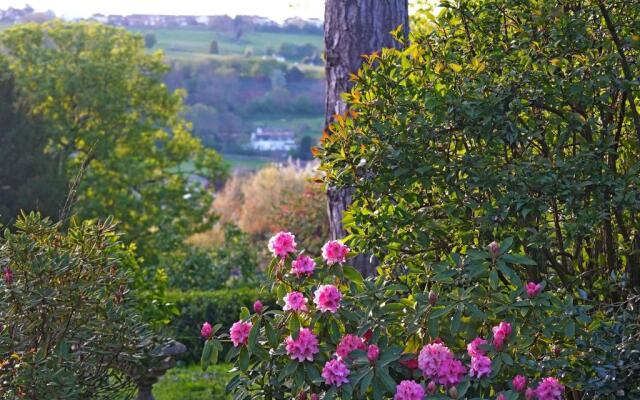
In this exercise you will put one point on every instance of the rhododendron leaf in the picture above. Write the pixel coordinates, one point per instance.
(294, 326)
(513, 276)
(288, 369)
(366, 381)
(313, 373)
(232, 353)
(493, 279)
(382, 373)
(244, 313)
(463, 387)
(347, 391)
(331, 393)
(233, 383)
(334, 330)
(205, 358)
(506, 358)
(243, 359)
(518, 259)
(353, 275)
(434, 327)
(570, 328)
(455, 322)
(253, 335)
(505, 245)
(272, 337)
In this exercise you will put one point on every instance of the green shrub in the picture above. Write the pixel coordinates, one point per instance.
(216, 307)
(68, 321)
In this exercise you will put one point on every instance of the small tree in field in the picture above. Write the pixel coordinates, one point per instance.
(150, 40)
(214, 48)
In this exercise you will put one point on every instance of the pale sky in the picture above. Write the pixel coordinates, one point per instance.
(275, 9)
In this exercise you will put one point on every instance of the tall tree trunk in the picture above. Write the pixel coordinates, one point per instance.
(353, 28)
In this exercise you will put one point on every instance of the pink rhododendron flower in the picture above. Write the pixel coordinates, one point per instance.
(348, 344)
(451, 372)
(335, 372)
(258, 307)
(334, 252)
(500, 334)
(480, 366)
(303, 265)
(282, 244)
(409, 390)
(549, 389)
(295, 301)
(519, 383)
(206, 331)
(304, 347)
(533, 289)
(327, 298)
(474, 347)
(431, 358)
(239, 333)
(373, 352)
(501, 397)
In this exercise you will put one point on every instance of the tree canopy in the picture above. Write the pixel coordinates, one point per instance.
(111, 120)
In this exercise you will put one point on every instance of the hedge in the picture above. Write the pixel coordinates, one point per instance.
(216, 306)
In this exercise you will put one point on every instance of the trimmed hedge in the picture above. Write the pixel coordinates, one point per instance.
(216, 306)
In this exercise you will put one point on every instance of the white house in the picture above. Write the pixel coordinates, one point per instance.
(269, 139)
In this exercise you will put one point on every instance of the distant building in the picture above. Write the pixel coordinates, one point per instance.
(270, 139)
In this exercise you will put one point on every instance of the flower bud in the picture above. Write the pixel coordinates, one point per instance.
(556, 350)
(431, 387)
(519, 383)
(258, 307)
(433, 297)
(453, 392)
(206, 331)
(494, 249)
(530, 394)
(373, 352)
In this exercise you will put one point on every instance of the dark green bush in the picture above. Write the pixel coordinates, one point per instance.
(217, 307)
(69, 328)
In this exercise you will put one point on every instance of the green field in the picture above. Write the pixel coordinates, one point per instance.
(190, 383)
(193, 43)
(302, 126)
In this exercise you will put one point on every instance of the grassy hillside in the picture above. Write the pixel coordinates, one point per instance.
(193, 43)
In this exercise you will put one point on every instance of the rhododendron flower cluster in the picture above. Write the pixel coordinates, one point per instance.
(549, 389)
(437, 362)
(335, 372)
(480, 366)
(327, 298)
(348, 344)
(206, 331)
(334, 252)
(533, 289)
(303, 265)
(282, 244)
(500, 334)
(304, 347)
(295, 301)
(474, 347)
(409, 390)
(239, 333)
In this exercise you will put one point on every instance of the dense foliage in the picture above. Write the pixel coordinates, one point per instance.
(69, 329)
(28, 176)
(489, 124)
(231, 263)
(106, 109)
(221, 306)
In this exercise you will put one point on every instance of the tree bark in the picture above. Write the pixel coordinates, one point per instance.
(353, 28)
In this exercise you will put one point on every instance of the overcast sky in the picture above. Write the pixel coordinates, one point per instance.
(275, 9)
